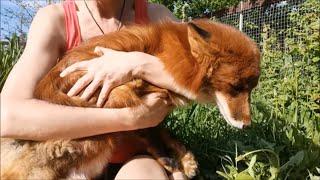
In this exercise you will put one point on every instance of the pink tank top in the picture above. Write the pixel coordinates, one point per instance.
(73, 34)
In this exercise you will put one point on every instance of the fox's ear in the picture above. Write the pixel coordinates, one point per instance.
(195, 30)
(198, 40)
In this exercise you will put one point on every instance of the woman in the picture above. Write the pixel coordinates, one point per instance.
(61, 27)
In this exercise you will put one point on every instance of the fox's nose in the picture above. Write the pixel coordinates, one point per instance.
(246, 122)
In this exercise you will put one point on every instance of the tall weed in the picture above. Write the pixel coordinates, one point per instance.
(10, 51)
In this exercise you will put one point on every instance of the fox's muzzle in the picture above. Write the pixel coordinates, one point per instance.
(235, 109)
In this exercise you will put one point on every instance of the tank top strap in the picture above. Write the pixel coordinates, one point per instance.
(73, 33)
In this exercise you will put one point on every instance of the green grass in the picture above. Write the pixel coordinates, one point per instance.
(284, 139)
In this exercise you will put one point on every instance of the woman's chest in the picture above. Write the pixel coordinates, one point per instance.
(90, 27)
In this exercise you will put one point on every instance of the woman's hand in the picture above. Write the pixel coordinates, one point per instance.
(155, 108)
(114, 68)
(111, 69)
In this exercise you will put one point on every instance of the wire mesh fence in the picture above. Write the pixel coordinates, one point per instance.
(256, 19)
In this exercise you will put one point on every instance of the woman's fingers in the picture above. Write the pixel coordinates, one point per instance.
(156, 108)
(101, 50)
(98, 51)
(74, 67)
(106, 88)
(91, 89)
(80, 84)
(155, 98)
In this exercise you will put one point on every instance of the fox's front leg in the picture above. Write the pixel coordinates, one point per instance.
(156, 148)
(186, 158)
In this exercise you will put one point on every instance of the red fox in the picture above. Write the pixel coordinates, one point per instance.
(209, 62)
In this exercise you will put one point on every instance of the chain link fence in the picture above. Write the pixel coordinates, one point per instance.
(259, 17)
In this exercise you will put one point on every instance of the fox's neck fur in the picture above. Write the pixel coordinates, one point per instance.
(188, 72)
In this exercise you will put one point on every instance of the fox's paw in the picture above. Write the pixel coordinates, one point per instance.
(169, 164)
(189, 165)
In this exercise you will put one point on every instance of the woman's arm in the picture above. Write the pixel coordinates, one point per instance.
(24, 117)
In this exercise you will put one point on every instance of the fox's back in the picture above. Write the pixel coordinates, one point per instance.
(158, 40)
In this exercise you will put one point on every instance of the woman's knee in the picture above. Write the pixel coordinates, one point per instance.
(142, 167)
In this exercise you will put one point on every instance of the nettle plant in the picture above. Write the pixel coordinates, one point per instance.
(287, 99)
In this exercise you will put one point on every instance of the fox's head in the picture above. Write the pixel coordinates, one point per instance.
(232, 68)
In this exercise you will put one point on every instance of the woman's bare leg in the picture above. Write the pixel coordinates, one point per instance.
(142, 167)
(145, 167)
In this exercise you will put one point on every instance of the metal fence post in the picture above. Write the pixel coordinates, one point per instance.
(241, 17)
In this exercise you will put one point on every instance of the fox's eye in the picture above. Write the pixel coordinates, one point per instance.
(237, 87)
(234, 90)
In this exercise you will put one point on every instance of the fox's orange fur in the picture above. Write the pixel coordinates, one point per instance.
(202, 57)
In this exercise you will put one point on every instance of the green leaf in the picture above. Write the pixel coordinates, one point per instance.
(293, 161)
(251, 164)
(243, 176)
(223, 175)
(315, 59)
(274, 173)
